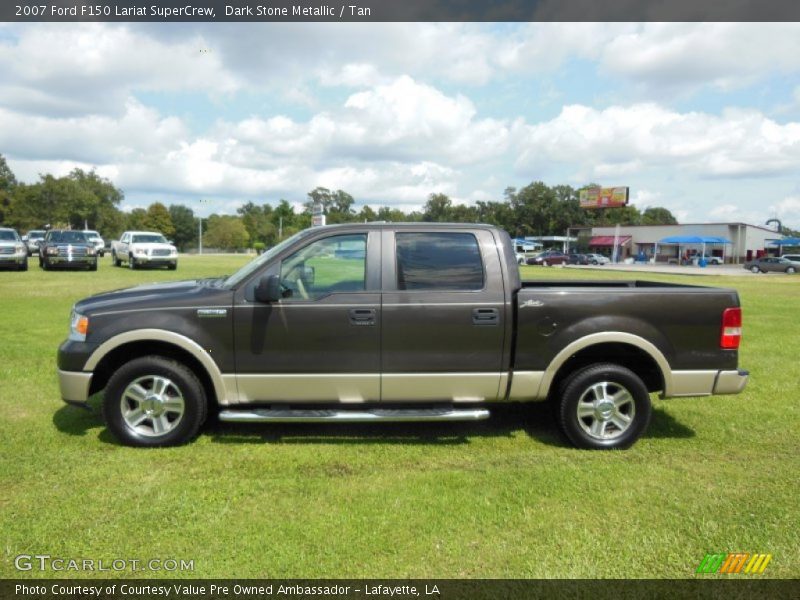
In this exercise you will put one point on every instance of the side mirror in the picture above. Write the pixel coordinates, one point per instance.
(269, 289)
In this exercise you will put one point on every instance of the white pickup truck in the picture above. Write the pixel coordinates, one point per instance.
(139, 248)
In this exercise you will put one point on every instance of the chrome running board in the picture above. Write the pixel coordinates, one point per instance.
(384, 415)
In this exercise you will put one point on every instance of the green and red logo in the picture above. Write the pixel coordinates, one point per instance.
(734, 562)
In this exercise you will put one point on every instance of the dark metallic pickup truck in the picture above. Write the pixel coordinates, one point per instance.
(396, 322)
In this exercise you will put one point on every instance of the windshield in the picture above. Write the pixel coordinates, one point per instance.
(35, 235)
(8, 236)
(68, 237)
(92, 235)
(153, 238)
(256, 263)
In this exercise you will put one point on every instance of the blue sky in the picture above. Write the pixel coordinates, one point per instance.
(703, 119)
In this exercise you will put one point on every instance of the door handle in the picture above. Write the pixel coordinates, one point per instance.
(362, 316)
(485, 316)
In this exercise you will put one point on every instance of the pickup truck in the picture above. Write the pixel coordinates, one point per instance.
(396, 322)
(140, 248)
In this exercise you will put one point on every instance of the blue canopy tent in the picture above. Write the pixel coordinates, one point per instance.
(785, 242)
(685, 240)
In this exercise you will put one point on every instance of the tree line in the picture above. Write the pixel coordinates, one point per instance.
(85, 199)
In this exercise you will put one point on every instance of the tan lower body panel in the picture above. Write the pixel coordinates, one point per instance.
(445, 387)
(345, 388)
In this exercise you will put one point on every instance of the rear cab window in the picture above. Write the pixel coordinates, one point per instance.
(438, 261)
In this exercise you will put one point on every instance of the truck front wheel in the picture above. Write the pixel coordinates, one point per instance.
(154, 401)
(604, 406)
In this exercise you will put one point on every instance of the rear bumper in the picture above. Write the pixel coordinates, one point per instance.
(731, 382)
(706, 383)
(74, 386)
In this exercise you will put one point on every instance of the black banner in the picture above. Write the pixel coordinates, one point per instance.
(398, 10)
(445, 589)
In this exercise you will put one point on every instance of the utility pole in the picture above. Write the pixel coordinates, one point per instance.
(200, 231)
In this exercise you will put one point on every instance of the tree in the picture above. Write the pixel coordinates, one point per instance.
(7, 184)
(257, 222)
(226, 232)
(391, 215)
(437, 209)
(136, 219)
(159, 219)
(185, 224)
(366, 215)
(656, 215)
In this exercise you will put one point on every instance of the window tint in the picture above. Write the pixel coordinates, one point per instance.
(8, 236)
(446, 261)
(333, 264)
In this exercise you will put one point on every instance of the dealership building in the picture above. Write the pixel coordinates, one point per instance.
(733, 242)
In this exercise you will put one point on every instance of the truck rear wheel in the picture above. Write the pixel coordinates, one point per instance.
(604, 406)
(154, 401)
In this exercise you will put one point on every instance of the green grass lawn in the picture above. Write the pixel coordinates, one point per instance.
(500, 499)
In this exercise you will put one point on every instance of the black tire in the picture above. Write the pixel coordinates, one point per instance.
(117, 262)
(24, 265)
(619, 410)
(131, 261)
(172, 266)
(791, 270)
(183, 383)
(93, 266)
(594, 262)
(45, 264)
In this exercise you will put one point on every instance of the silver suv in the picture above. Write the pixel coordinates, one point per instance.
(13, 252)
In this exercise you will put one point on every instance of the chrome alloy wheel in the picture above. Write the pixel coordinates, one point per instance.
(152, 405)
(606, 410)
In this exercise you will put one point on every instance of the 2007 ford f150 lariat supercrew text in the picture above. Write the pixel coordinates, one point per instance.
(396, 322)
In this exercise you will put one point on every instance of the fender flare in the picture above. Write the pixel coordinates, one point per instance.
(619, 337)
(170, 337)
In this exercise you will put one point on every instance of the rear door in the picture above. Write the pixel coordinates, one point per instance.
(443, 316)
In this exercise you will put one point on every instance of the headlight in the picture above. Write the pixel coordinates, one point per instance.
(91, 251)
(51, 250)
(78, 327)
(20, 249)
(140, 251)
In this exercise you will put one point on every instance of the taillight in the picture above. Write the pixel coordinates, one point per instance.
(731, 333)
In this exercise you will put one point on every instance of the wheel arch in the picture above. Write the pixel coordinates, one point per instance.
(156, 342)
(628, 350)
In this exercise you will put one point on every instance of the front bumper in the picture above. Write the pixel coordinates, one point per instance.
(144, 259)
(71, 260)
(74, 386)
(13, 259)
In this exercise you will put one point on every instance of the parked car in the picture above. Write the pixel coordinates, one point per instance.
(99, 243)
(32, 240)
(13, 252)
(597, 259)
(711, 260)
(548, 258)
(432, 323)
(67, 248)
(795, 258)
(772, 264)
(140, 248)
(578, 259)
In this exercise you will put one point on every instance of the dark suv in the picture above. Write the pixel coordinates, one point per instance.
(66, 248)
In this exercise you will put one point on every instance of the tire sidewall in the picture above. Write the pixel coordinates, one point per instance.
(195, 404)
(576, 385)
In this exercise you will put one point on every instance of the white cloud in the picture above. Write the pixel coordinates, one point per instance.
(788, 211)
(643, 137)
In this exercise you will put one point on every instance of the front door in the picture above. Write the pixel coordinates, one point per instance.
(321, 341)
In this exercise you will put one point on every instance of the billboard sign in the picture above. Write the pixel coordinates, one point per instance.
(604, 197)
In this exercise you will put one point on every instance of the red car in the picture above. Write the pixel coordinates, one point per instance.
(549, 257)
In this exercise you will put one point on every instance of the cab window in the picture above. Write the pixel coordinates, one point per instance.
(332, 264)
